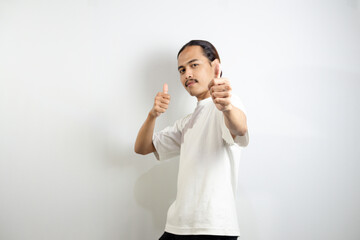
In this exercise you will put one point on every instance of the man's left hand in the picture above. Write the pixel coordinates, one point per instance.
(220, 91)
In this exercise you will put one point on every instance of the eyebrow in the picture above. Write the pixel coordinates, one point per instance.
(193, 60)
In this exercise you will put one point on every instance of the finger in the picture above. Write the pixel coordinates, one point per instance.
(165, 101)
(163, 105)
(221, 88)
(221, 81)
(222, 101)
(165, 88)
(159, 100)
(217, 70)
(221, 94)
(159, 109)
(163, 95)
(166, 96)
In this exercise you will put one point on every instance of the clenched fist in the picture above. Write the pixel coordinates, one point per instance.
(161, 102)
(220, 91)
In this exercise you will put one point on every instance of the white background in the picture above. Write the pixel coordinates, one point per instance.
(77, 79)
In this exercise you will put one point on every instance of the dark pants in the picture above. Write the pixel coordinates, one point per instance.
(170, 236)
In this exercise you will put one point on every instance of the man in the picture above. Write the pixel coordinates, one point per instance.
(209, 143)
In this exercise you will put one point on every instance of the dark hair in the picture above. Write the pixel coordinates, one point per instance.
(209, 50)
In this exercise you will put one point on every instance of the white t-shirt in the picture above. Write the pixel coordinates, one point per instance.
(208, 171)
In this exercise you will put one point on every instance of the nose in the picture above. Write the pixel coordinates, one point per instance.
(189, 74)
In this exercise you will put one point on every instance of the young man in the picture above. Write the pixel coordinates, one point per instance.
(208, 141)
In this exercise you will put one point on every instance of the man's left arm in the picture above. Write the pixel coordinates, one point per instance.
(220, 91)
(235, 121)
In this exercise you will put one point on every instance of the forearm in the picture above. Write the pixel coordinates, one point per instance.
(235, 121)
(143, 144)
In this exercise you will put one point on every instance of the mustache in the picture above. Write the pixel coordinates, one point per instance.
(187, 81)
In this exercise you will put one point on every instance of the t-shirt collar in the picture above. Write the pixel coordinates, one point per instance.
(204, 101)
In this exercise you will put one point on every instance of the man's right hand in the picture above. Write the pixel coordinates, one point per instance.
(161, 102)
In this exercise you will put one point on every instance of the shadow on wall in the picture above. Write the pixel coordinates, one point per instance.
(159, 67)
(155, 190)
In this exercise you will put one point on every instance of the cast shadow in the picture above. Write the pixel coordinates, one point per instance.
(155, 190)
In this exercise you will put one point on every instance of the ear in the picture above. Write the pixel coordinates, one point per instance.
(214, 62)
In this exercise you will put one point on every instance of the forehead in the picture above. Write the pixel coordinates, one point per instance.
(190, 53)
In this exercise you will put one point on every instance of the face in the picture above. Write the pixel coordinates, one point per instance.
(196, 71)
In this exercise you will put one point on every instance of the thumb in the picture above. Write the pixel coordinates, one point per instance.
(217, 70)
(165, 88)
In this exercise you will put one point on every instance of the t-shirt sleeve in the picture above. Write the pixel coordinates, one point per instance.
(167, 142)
(242, 141)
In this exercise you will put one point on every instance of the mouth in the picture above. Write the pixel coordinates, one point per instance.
(190, 82)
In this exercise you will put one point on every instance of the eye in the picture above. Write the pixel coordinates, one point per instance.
(194, 65)
(181, 71)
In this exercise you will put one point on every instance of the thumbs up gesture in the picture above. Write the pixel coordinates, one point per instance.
(220, 91)
(161, 102)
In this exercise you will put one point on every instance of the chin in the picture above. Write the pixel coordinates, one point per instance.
(192, 93)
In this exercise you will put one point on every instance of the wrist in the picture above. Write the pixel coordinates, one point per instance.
(228, 109)
(152, 115)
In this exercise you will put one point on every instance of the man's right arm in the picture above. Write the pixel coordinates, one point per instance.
(144, 144)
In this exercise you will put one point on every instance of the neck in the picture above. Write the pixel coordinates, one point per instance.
(203, 96)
